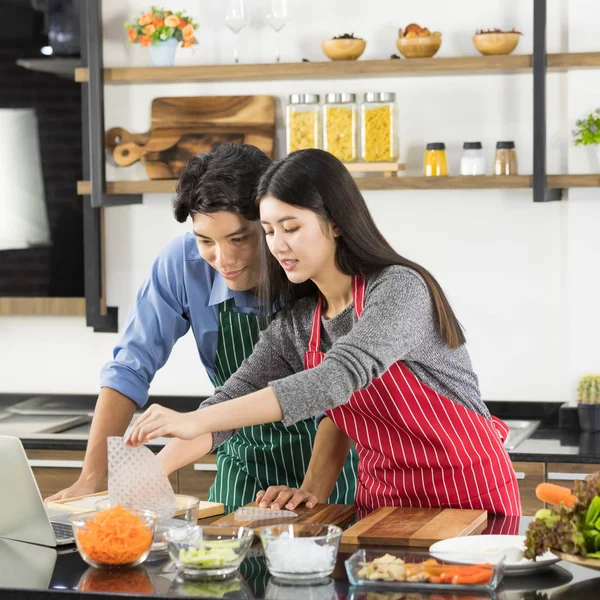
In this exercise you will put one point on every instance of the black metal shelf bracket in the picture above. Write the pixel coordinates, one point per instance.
(541, 193)
(98, 316)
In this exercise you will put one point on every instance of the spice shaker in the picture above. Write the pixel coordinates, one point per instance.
(505, 160)
(472, 161)
(435, 163)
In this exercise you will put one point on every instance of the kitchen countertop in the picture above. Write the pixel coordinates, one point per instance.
(59, 576)
(548, 443)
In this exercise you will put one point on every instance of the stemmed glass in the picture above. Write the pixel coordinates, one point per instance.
(276, 17)
(236, 18)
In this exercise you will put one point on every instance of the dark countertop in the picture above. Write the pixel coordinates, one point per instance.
(64, 576)
(558, 439)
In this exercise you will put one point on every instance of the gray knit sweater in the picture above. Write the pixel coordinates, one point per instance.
(397, 323)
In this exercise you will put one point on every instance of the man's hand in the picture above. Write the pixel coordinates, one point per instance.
(281, 496)
(79, 488)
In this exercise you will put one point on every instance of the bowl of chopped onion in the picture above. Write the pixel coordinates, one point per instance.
(208, 551)
(117, 537)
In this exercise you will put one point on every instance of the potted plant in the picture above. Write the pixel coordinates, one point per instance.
(161, 31)
(588, 393)
(588, 132)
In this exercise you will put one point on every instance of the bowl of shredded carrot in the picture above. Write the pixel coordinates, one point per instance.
(115, 537)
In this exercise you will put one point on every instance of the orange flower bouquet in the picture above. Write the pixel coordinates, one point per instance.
(161, 31)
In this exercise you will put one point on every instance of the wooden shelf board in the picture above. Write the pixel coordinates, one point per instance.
(57, 307)
(337, 69)
(167, 186)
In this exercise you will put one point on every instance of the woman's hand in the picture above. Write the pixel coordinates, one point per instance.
(159, 421)
(281, 496)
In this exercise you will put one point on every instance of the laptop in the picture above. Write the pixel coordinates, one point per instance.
(23, 516)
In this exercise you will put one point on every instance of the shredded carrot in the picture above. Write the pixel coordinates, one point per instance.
(555, 494)
(115, 536)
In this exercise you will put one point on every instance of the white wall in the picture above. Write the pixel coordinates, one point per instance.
(522, 276)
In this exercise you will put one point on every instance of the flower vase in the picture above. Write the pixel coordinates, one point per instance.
(162, 54)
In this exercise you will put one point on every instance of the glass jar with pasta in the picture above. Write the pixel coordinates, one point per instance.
(379, 128)
(302, 122)
(340, 126)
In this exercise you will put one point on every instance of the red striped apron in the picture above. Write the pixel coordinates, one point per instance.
(416, 447)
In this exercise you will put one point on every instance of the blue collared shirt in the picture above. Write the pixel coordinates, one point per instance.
(182, 291)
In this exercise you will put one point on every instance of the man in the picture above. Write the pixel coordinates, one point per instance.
(204, 281)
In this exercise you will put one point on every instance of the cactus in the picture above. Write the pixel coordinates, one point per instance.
(588, 390)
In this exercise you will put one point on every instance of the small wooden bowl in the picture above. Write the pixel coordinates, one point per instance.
(344, 49)
(496, 43)
(419, 47)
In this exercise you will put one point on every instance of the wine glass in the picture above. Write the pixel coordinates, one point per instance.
(236, 18)
(276, 17)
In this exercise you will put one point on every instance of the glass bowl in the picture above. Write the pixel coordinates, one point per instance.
(208, 551)
(301, 552)
(131, 541)
(189, 506)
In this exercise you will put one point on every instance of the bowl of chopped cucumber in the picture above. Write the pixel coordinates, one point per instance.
(212, 551)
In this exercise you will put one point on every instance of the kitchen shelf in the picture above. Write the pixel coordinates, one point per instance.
(57, 307)
(343, 68)
(167, 186)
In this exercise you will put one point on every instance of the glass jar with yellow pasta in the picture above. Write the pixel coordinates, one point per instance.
(303, 126)
(379, 135)
(340, 126)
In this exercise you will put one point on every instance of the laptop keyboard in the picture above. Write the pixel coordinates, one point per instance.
(62, 531)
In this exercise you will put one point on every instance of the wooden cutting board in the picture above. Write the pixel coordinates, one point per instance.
(185, 126)
(330, 514)
(395, 526)
(87, 503)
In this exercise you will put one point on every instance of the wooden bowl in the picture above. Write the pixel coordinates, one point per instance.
(344, 49)
(419, 47)
(496, 43)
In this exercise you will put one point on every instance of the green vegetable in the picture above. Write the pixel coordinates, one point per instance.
(210, 554)
(573, 530)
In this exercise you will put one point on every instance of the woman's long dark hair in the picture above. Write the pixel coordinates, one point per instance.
(316, 180)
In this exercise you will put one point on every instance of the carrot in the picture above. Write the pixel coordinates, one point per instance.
(114, 536)
(483, 576)
(555, 494)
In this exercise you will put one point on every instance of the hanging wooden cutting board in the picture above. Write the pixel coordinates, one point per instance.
(182, 127)
(331, 514)
(421, 527)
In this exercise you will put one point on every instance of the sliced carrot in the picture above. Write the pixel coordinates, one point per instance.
(484, 576)
(555, 494)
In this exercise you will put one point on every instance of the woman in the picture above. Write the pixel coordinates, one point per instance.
(372, 340)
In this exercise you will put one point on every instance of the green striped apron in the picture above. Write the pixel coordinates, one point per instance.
(262, 455)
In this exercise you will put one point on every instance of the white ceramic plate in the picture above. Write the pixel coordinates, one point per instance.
(453, 549)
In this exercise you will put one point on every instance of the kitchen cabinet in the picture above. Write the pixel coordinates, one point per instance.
(196, 479)
(566, 473)
(55, 470)
(529, 475)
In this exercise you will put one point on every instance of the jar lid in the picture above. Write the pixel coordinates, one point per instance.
(380, 97)
(304, 99)
(505, 145)
(343, 98)
(436, 146)
(472, 146)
